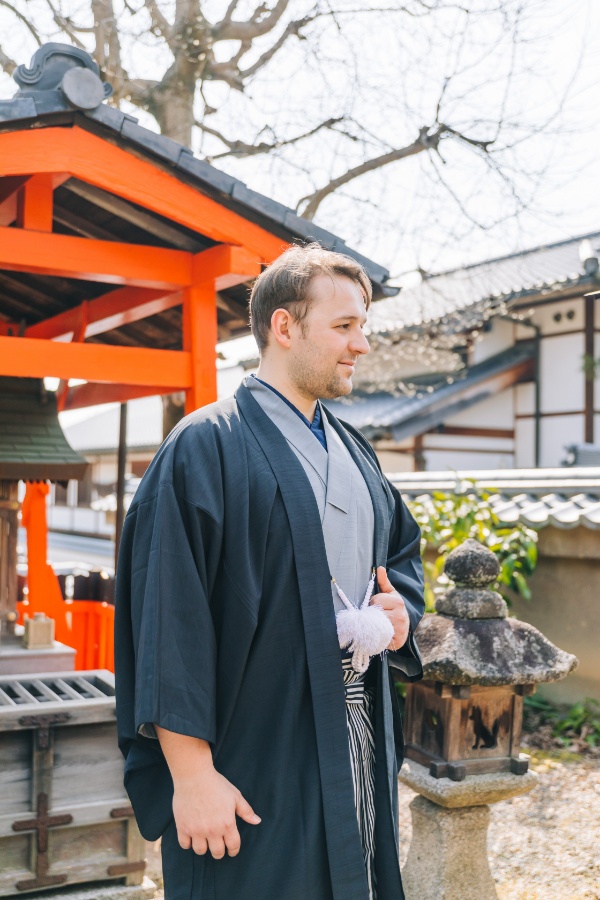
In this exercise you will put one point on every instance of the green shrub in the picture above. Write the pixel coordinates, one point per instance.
(448, 519)
(574, 724)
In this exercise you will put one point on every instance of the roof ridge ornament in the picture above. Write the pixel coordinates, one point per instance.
(65, 69)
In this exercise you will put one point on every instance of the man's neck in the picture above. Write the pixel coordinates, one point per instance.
(281, 383)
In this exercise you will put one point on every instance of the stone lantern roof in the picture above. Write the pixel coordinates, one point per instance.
(472, 640)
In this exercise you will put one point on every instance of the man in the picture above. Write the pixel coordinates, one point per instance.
(256, 748)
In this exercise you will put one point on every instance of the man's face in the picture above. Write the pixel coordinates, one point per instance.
(325, 350)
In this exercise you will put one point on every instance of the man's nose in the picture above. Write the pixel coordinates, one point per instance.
(359, 344)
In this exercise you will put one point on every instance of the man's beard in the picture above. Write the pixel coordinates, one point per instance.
(313, 382)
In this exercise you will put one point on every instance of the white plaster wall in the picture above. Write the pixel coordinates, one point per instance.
(524, 399)
(596, 313)
(561, 373)
(460, 442)
(556, 433)
(79, 519)
(495, 412)
(392, 462)
(572, 316)
(442, 460)
(500, 337)
(104, 471)
(524, 443)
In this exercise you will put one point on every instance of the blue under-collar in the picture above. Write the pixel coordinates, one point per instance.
(316, 426)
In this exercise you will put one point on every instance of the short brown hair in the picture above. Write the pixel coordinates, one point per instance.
(285, 285)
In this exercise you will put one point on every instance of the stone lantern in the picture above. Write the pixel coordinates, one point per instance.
(463, 726)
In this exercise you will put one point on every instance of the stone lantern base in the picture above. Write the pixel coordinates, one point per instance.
(476, 790)
(447, 859)
(448, 854)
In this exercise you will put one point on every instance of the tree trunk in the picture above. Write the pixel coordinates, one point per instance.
(172, 105)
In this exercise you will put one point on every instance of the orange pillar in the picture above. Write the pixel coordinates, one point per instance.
(200, 339)
(44, 590)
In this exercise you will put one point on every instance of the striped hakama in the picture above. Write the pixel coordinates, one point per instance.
(361, 736)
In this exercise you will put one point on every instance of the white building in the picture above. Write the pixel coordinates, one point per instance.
(525, 392)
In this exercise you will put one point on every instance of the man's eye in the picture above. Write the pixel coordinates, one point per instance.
(346, 325)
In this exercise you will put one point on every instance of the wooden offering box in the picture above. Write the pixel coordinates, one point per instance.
(64, 815)
(460, 730)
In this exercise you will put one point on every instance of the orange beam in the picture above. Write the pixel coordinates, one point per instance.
(30, 358)
(9, 192)
(98, 162)
(118, 307)
(224, 264)
(110, 262)
(91, 394)
(200, 340)
(36, 201)
(29, 200)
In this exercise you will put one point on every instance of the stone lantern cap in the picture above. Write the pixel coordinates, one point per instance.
(472, 640)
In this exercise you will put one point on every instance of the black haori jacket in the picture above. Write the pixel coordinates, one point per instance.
(225, 630)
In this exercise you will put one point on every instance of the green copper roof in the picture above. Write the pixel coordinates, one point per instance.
(32, 443)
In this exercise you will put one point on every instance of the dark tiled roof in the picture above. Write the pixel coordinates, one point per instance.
(565, 497)
(32, 444)
(42, 100)
(546, 269)
(398, 416)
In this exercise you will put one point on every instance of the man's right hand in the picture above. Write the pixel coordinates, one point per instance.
(205, 807)
(205, 804)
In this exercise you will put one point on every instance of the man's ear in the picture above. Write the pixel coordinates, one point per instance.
(281, 320)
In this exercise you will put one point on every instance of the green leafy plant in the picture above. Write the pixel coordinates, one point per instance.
(448, 519)
(575, 725)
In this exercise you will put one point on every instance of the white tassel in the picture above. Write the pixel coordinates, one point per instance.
(364, 630)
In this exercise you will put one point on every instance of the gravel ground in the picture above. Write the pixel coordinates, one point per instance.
(542, 846)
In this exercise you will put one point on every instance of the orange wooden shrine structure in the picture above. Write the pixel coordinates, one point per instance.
(123, 260)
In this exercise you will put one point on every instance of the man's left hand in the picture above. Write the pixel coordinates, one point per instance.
(393, 606)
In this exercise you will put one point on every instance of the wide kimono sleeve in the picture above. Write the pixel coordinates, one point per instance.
(405, 571)
(165, 648)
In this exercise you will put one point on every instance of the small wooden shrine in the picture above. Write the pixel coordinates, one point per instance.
(33, 449)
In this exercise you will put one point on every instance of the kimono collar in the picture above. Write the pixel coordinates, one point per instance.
(316, 426)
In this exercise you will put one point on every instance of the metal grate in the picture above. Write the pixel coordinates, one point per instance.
(53, 689)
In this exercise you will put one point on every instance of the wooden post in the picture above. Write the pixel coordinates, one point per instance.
(589, 378)
(44, 589)
(9, 507)
(200, 339)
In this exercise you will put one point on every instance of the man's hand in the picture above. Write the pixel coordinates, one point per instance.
(393, 605)
(205, 804)
(205, 807)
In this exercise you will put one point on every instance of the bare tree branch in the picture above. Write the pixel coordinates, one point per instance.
(291, 29)
(160, 24)
(260, 22)
(428, 140)
(23, 19)
(425, 141)
(108, 45)
(67, 26)
(6, 63)
(226, 20)
(242, 149)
